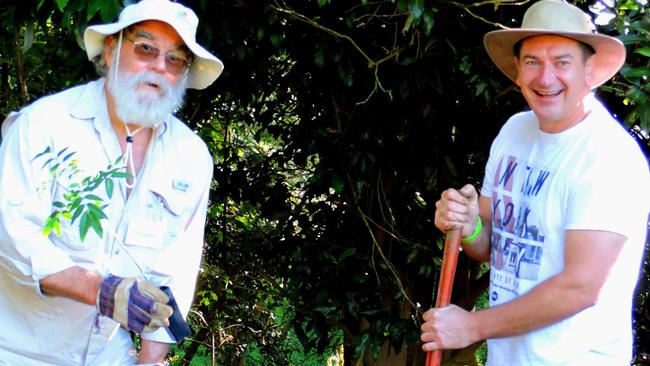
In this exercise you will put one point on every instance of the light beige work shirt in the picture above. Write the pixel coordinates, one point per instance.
(156, 234)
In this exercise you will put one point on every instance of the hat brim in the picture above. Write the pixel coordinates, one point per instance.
(205, 68)
(608, 59)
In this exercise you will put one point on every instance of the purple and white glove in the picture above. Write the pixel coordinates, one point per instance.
(137, 306)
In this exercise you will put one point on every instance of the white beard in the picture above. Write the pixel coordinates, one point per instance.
(144, 108)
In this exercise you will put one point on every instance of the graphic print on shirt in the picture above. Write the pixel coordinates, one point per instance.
(517, 241)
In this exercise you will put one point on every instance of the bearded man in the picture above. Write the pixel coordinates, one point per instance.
(71, 299)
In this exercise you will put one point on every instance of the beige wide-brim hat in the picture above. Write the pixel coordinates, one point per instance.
(205, 68)
(557, 18)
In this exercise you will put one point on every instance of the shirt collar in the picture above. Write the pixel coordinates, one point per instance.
(91, 96)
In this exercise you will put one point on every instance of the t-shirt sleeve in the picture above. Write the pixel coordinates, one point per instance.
(610, 194)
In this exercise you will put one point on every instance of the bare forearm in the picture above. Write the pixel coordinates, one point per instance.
(152, 352)
(588, 259)
(75, 283)
(552, 301)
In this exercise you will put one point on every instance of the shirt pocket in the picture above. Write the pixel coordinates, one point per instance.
(155, 229)
(175, 209)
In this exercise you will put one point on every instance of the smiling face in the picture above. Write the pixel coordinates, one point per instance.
(554, 76)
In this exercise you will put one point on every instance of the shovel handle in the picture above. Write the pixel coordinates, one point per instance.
(446, 283)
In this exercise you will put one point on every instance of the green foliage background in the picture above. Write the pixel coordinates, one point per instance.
(335, 127)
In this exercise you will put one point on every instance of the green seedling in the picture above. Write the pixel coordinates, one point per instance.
(80, 200)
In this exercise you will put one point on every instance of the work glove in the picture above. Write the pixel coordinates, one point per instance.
(137, 306)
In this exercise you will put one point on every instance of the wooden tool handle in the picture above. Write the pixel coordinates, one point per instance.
(446, 282)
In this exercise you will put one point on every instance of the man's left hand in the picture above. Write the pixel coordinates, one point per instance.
(449, 327)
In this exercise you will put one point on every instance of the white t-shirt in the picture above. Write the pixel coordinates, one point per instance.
(592, 176)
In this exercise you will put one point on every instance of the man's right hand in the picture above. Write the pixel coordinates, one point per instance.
(137, 306)
(457, 209)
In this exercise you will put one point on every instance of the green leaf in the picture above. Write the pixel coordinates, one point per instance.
(28, 39)
(319, 57)
(93, 197)
(427, 16)
(93, 8)
(407, 61)
(322, 3)
(337, 184)
(644, 116)
(480, 87)
(55, 167)
(408, 23)
(46, 151)
(645, 51)
(628, 5)
(49, 224)
(636, 72)
(57, 227)
(110, 10)
(417, 8)
(364, 342)
(465, 65)
(96, 224)
(65, 158)
(121, 175)
(62, 4)
(58, 204)
(78, 211)
(95, 211)
(412, 256)
(348, 252)
(84, 225)
(75, 202)
(109, 185)
(61, 152)
(346, 75)
(276, 39)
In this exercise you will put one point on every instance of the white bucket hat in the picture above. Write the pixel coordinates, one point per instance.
(562, 19)
(205, 68)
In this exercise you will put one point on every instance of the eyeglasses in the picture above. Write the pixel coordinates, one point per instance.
(175, 62)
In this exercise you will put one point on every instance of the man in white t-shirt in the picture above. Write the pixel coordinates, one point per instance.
(562, 211)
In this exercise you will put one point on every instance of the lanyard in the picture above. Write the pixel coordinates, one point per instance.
(128, 156)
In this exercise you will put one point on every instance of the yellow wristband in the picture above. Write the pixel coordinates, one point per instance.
(477, 231)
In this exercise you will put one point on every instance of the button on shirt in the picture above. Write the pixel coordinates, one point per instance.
(156, 234)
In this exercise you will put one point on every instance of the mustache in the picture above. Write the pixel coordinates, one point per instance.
(133, 80)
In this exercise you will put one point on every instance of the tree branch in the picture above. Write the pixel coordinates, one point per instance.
(371, 63)
(496, 4)
(20, 66)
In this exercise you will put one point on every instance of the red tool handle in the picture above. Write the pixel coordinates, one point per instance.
(447, 273)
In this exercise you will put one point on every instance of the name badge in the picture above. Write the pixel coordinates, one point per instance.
(145, 233)
(180, 185)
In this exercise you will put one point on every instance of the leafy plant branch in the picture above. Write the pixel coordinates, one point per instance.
(79, 200)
